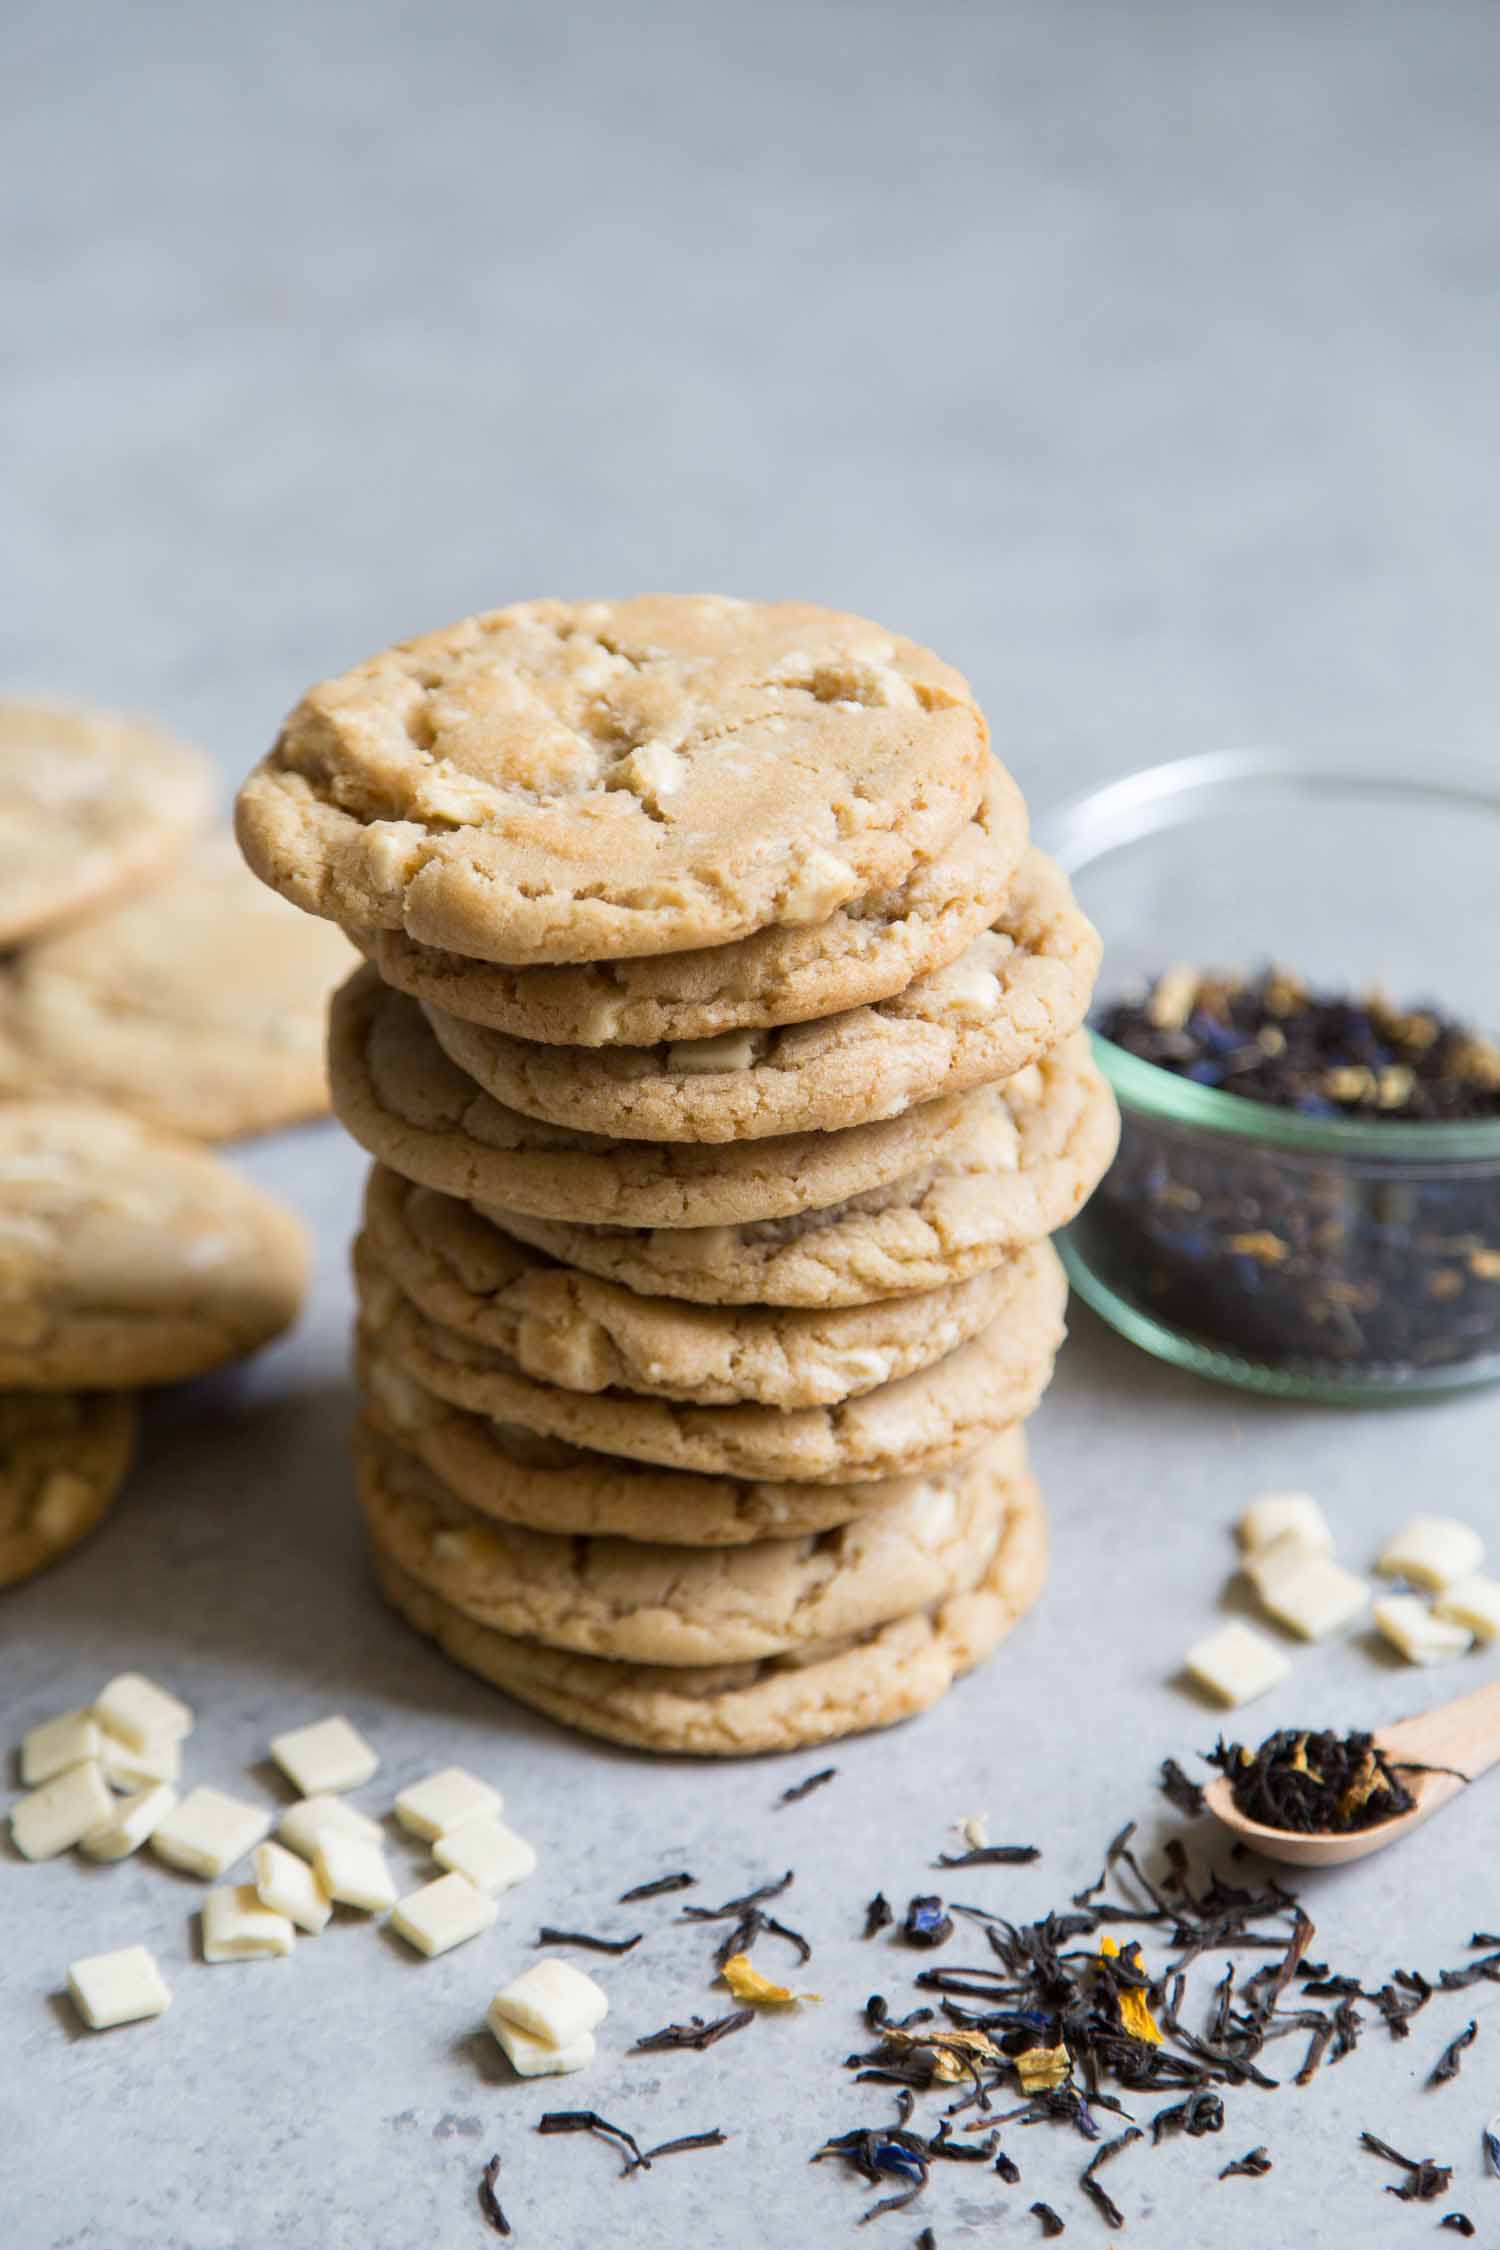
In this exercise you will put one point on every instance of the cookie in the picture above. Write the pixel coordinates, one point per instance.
(128, 1257)
(908, 1428)
(1026, 1155)
(398, 1094)
(567, 781)
(728, 1710)
(1018, 990)
(584, 1334)
(788, 973)
(198, 1004)
(63, 1459)
(637, 1603)
(509, 1473)
(90, 806)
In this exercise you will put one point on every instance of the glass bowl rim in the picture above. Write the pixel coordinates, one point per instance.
(1083, 828)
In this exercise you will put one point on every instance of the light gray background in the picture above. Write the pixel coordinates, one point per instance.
(1142, 358)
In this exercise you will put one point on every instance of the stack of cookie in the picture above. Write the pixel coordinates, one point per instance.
(719, 1048)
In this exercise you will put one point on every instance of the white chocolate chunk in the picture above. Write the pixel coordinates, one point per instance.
(444, 1800)
(1410, 1625)
(287, 1885)
(329, 1755)
(209, 1831)
(1267, 1567)
(131, 1823)
(130, 1769)
(554, 2001)
(968, 991)
(1285, 1515)
(533, 2058)
(138, 1711)
(60, 1814)
(1474, 1602)
(238, 1926)
(1315, 1597)
(1237, 1664)
(301, 1825)
(115, 1988)
(354, 1872)
(819, 887)
(727, 1050)
(491, 1856)
(443, 1914)
(1433, 1551)
(651, 772)
(57, 1744)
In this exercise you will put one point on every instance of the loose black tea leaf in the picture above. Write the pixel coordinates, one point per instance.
(992, 1855)
(1458, 2222)
(879, 1915)
(1007, 2167)
(681, 2146)
(489, 2200)
(1450, 2061)
(1254, 2165)
(1425, 2177)
(696, 2035)
(1198, 2114)
(1102, 2201)
(1181, 1790)
(658, 1887)
(927, 1923)
(1491, 2140)
(801, 1789)
(1051, 2223)
(750, 1921)
(927, 2240)
(588, 1942)
(589, 2121)
(1314, 1784)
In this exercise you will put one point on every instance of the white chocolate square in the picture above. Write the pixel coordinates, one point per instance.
(327, 1756)
(138, 1711)
(209, 1831)
(1474, 1602)
(1285, 1515)
(443, 1914)
(554, 2001)
(57, 1744)
(130, 1769)
(492, 1856)
(60, 1814)
(820, 885)
(354, 1872)
(289, 1886)
(302, 1824)
(115, 1988)
(1237, 1664)
(133, 1821)
(444, 1800)
(1432, 1551)
(726, 1050)
(1315, 1597)
(238, 1926)
(1267, 1567)
(1410, 1625)
(533, 2058)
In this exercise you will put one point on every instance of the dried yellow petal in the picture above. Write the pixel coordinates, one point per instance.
(1041, 2068)
(1135, 2015)
(746, 1983)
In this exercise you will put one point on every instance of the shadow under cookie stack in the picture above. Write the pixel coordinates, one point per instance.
(719, 1050)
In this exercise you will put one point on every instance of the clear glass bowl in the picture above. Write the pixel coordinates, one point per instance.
(1344, 1259)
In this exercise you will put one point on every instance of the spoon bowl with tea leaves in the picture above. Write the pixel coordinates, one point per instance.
(1433, 1757)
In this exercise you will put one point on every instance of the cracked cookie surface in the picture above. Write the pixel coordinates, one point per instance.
(63, 1458)
(1017, 990)
(864, 952)
(129, 1257)
(564, 781)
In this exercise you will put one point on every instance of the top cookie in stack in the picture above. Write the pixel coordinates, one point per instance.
(719, 1023)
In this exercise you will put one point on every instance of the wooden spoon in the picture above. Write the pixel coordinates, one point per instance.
(1464, 1734)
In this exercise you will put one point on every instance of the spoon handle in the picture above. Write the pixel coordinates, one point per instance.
(1464, 1734)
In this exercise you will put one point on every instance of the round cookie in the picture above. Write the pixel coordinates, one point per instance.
(909, 1428)
(90, 805)
(398, 1094)
(63, 1459)
(637, 1603)
(509, 1473)
(1028, 1153)
(128, 1257)
(198, 1004)
(1018, 990)
(567, 781)
(584, 1334)
(874, 946)
(731, 1710)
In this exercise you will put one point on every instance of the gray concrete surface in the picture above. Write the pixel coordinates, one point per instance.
(1143, 359)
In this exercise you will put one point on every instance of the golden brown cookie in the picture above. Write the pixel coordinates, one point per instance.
(90, 806)
(63, 1458)
(1018, 989)
(788, 973)
(581, 781)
